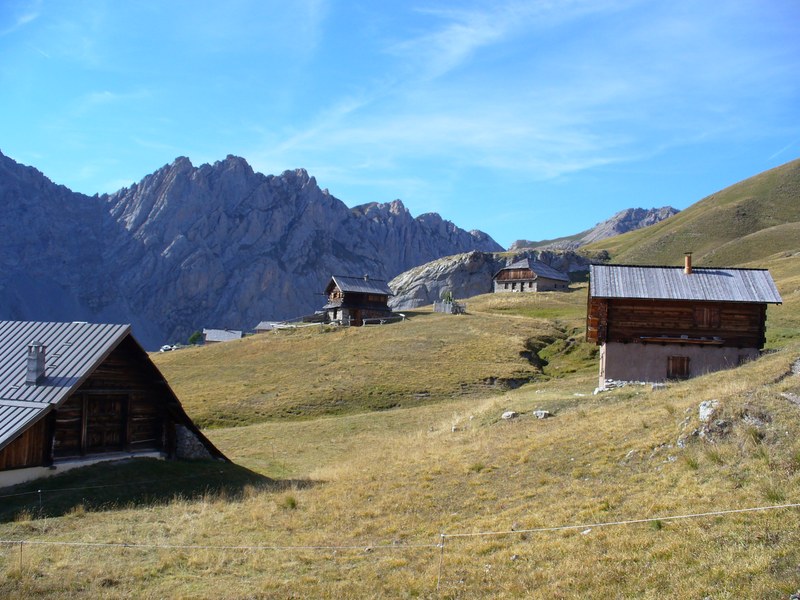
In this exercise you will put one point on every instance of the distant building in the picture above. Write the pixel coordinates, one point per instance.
(658, 323)
(351, 300)
(265, 326)
(213, 336)
(72, 394)
(529, 275)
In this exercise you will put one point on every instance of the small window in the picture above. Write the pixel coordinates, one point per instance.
(677, 367)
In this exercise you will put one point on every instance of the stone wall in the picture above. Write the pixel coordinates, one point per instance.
(187, 446)
(648, 362)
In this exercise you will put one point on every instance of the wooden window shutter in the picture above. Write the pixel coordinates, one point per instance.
(677, 367)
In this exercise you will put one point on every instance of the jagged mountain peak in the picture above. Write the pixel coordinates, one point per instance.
(372, 210)
(187, 247)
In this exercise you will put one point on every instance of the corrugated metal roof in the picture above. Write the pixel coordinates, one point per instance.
(361, 285)
(222, 335)
(671, 283)
(73, 350)
(539, 268)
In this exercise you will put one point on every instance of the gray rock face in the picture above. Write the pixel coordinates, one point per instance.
(468, 274)
(186, 248)
(55, 249)
(624, 221)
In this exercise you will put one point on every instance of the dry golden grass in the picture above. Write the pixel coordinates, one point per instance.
(356, 504)
(316, 371)
(381, 488)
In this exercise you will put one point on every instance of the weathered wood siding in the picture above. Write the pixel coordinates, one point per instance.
(739, 325)
(29, 449)
(120, 407)
(515, 275)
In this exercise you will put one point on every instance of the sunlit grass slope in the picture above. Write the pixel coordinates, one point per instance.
(373, 492)
(356, 450)
(747, 221)
(427, 358)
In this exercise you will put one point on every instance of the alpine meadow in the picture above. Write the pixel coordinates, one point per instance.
(372, 462)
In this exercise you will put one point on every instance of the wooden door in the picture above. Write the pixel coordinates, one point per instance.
(106, 420)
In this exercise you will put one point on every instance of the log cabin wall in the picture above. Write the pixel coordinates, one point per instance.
(515, 275)
(373, 302)
(29, 450)
(120, 407)
(356, 306)
(738, 325)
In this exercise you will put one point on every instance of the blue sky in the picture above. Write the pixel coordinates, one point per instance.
(526, 119)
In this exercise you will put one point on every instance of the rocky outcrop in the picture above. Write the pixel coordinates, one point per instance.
(191, 247)
(468, 274)
(622, 222)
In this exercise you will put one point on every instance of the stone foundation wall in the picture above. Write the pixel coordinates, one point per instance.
(648, 362)
(187, 446)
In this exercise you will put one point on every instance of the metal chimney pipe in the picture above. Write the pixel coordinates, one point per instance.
(687, 263)
(35, 370)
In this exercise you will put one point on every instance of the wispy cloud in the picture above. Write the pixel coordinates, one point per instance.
(656, 85)
(28, 13)
(784, 149)
(458, 34)
(96, 99)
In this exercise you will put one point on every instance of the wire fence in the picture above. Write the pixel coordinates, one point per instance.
(441, 545)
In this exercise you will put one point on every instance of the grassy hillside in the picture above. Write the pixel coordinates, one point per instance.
(354, 506)
(746, 222)
(428, 358)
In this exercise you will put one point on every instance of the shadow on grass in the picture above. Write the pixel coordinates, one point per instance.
(134, 483)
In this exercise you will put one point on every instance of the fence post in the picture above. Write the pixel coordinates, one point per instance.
(441, 560)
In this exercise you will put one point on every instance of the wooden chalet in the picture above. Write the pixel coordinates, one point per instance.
(659, 323)
(351, 300)
(529, 275)
(73, 394)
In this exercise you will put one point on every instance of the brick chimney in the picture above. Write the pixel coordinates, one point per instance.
(687, 263)
(35, 371)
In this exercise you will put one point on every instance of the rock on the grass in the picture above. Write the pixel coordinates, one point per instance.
(707, 409)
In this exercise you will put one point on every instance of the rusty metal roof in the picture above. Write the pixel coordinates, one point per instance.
(671, 283)
(73, 350)
(539, 268)
(360, 285)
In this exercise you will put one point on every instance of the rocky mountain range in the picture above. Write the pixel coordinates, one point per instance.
(624, 221)
(191, 247)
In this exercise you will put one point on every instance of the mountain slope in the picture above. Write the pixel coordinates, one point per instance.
(624, 221)
(186, 248)
(715, 228)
